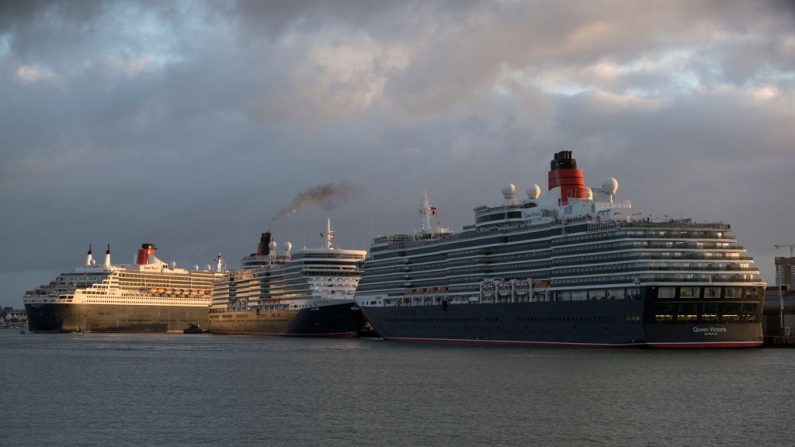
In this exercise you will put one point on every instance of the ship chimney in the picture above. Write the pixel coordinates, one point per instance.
(263, 248)
(107, 257)
(89, 256)
(144, 252)
(564, 174)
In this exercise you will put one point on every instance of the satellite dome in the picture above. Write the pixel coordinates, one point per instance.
(610, 185)
(588, 193)
(534, 192)
(287, 246)
(509, 192)
(273, 245)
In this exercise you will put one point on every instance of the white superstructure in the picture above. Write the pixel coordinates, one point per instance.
(153, 283)
(305, 278)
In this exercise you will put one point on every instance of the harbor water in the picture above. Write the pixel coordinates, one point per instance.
(98, 389)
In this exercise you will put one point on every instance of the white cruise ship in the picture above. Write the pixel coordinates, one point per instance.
(573, 266)
(307, 292)
(147, 296)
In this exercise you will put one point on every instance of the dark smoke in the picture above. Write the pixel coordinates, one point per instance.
(328, 196)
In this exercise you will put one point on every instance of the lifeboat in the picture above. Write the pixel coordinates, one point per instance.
(505, 289)
(522, 287)
(541, 284)
(488, 289)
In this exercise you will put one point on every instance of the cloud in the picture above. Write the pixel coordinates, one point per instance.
(27, 74)
(191, 123)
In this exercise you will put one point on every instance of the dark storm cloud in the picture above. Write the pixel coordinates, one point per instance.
(190, 124)
(19, 14)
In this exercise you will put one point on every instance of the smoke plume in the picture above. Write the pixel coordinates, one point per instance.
(328, 196)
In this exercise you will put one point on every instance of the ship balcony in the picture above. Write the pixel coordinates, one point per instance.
(618, 268)
(643, 256)
(646, 278)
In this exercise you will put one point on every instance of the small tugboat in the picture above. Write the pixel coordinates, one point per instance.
(193, 328)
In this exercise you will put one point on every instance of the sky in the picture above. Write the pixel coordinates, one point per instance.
(189, 124)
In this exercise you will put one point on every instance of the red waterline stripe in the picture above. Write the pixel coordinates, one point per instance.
(513, 342)
(701, 345)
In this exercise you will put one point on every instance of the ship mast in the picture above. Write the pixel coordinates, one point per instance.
(329, 235)
(425, 212)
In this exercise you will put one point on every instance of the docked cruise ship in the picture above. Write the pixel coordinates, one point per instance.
(572, 267)
(147, 296)
(309, 292)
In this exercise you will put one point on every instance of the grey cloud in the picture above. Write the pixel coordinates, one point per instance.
(250, 102)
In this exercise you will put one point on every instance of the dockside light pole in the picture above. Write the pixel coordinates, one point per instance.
(779, 281)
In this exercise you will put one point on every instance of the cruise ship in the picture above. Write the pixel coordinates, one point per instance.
(309, 292)
(570, 267)
(147, 296)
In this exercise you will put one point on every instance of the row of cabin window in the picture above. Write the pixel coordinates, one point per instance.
(708, 292)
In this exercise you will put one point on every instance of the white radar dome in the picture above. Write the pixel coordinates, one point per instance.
(588, 193)
(287, 246)
(610, 185)
(534, 192)
(509, 192)
(273, 245)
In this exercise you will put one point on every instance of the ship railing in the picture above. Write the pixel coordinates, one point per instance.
(618, 268)
(407, 241)
(561, 282)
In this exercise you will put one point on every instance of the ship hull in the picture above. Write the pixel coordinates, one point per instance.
(112, 318)
(333, 320)
(585, 324)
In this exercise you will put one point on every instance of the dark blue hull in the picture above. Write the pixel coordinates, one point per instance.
(336, 320)
(597, 323)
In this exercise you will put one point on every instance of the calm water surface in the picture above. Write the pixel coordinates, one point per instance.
(62, 389)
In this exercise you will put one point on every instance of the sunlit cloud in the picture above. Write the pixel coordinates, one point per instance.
(349, 75)
(29, 74)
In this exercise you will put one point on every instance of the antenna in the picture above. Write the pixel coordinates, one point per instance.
(790, 246)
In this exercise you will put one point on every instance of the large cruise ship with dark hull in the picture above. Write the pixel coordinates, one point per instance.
(571, 267)
(309, 292)
(148, 296)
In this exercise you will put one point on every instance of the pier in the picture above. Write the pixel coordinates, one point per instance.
(779, 317)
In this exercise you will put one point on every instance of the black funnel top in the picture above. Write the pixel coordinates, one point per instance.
(264, 244)
(563, 160)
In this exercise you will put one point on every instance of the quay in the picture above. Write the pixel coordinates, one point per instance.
(779, 317)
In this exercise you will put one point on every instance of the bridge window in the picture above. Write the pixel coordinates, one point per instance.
(666, 292)
(689, 292)
(616, 294)
(712, 292)
(734, 292)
